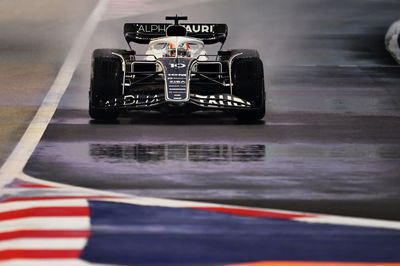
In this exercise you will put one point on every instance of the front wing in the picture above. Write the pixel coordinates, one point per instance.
(176, 82)
(142, 101)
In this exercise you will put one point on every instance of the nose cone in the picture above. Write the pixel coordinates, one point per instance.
(176, 74)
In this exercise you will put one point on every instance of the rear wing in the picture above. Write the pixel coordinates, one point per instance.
(143, 33)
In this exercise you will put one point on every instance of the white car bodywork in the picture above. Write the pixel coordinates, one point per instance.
(392, 39)
(176, 47)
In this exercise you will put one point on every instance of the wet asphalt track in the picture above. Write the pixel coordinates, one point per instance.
(34, 41)
(330, 142)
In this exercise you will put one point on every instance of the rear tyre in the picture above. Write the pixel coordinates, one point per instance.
(105, 83)
(248, 83)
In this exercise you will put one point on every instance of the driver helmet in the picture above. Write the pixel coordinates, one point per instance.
(183, 50)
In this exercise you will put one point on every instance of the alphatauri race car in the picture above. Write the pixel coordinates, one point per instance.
(176, 74)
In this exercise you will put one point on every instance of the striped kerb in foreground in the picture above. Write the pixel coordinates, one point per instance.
(43, 229)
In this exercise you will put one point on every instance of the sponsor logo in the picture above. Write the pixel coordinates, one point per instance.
(138, 99)
(176, 75)
(161, 28)
(222, 100)
(146, 100)
(151, 28)
(200, 28)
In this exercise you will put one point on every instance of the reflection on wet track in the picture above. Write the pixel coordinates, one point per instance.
(141, 153)
(218, 153)
(225, 171)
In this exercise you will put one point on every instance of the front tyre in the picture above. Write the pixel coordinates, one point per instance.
(105, 83)
(248, 83)
(101, 114)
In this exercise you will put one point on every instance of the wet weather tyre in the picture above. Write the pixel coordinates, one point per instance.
(105, 83)
(248, 83)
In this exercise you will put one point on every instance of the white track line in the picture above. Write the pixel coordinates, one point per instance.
(24, 149)
(351, 221)
(45, 223)
(44, 243)
(22, 205)
(48, 262)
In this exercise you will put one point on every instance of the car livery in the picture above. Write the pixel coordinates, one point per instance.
(176, 73)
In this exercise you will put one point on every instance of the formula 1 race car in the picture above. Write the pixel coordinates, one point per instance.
(176, 74)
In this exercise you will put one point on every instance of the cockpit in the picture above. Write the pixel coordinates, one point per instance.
(177, 47)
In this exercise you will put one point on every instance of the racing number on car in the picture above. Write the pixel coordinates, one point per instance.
(177, 65)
